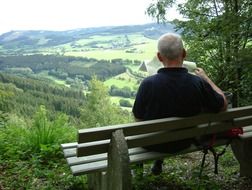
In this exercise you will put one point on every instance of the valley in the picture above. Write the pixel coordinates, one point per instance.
(72, 58)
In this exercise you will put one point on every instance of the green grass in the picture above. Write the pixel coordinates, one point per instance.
(182, 173)
(131, 46)
(109, 47)
(31, 157)
(44, 74)
(121, 81)
(113, 54)
(46, 168)
(116, 99)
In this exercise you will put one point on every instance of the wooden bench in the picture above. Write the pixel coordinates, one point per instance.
(105, 153)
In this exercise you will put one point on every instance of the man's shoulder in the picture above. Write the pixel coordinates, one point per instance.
(157, 78)
(150, 79)
(194, 77)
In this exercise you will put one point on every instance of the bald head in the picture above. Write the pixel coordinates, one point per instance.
(170, 46)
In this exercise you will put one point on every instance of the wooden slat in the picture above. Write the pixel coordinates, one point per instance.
(102, 133)
(167, 136)
(89, 167)
(247, 129)
(69, 152)
(69, 145)
(92, 148)
(149, 133)
(246, 135)
(86, 159)
(98, 157)
(146, 156)
(134, 158)
(243, 121)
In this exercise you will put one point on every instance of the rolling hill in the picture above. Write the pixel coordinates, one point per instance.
(72, 57)
(80, 40)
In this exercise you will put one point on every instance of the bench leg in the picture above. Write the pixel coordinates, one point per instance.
(243, 153)
(97, 181)
(119, 173)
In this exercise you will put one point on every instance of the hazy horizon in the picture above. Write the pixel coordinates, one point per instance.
(55, 30)
(60, 15)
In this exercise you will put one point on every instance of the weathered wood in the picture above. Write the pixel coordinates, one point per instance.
(86, 159)
(69, 145)
(74, 160)
(97, 147)
(97, 181)
(136, 157)
(201, 130)
(119, 173)
(102, 133)
(85, 149)
(69, 152)
(88, 167)
(242, 151)
(89, 155)
(246, 135)
(247, 129)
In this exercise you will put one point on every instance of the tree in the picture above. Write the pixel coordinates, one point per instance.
(125, 103)
(219, 35)
(98, 109)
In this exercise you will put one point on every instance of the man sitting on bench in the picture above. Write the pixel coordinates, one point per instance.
(173, 92)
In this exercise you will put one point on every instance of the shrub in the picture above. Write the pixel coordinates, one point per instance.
(44, 132)
(12, 137)
(125, 103)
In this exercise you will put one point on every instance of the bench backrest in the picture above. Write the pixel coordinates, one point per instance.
(96, 140)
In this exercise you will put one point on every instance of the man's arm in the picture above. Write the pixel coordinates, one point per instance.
(201, 73)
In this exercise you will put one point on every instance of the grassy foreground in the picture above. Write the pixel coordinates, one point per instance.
(31, 158)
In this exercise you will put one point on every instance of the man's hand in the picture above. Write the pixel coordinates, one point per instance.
(201, 73)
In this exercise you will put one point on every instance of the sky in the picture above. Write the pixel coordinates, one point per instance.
(72, 14)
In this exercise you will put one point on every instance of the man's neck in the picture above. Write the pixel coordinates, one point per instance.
(174, 63)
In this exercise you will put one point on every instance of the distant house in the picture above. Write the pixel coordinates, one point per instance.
(151, 66)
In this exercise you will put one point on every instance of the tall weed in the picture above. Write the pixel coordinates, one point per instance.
(44, 132)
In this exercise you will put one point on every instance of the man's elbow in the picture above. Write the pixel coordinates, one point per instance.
(225, 105)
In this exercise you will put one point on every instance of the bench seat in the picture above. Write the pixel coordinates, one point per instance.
(98, 163)
(112, 149)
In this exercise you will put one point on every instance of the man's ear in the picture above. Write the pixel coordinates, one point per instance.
(159, 57)
(184, 53)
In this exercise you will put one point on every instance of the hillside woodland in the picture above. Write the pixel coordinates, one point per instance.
(54, 83)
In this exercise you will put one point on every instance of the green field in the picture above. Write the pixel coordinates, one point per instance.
(132, 47)
(116, 99)
(108, 47)
(112, 54)
(121, 81)
(44, 74)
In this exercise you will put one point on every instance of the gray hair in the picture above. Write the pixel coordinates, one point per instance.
(170, 45)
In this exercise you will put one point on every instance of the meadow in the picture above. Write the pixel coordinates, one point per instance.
(130, 47)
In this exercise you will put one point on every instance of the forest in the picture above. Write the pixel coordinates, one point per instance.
(62, 66)
(50, 89)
